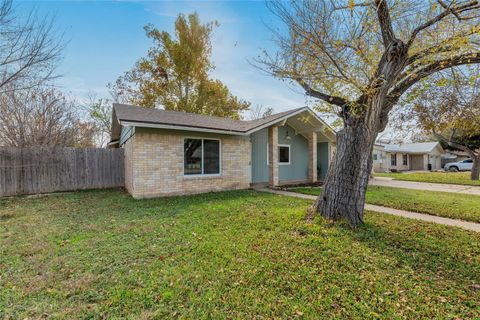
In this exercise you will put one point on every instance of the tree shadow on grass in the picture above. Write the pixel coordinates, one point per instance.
(96, 205)
(429, 249)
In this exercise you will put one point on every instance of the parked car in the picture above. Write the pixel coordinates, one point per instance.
(465, 165)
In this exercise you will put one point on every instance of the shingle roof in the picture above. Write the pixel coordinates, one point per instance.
(124, 112)
(420, 147)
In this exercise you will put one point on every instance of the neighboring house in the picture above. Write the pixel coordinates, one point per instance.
(174, 153)
(379, 158)
(407, 156)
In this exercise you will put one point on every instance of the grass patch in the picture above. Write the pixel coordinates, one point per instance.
(443, 204)
(102, 254)
(434, 177)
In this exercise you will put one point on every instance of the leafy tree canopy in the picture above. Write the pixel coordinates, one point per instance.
(448, 107)
(175, 73)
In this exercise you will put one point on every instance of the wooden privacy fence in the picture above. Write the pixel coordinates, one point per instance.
(42, 170)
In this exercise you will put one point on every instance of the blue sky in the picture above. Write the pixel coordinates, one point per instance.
(107, 37)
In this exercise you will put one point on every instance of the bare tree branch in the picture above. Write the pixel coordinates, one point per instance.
(385, 22)
(414, 77)
(349, 7)
(42, 116)
(29, 49)
(455, 145)
(449, 9)
(319, 95)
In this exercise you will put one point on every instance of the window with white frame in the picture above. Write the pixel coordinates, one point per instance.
(393, 159)
(375, 157)
(284, 154)
(405, 160)
(201, 156)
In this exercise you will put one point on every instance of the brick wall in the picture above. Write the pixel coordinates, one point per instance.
(156, 160)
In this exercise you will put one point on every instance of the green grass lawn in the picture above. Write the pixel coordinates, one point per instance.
(443, 204)
(434, 177)
(238, 255)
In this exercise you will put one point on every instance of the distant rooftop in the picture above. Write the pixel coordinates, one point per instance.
(420, 147)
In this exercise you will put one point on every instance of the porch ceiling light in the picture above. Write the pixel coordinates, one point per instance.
(287, 136)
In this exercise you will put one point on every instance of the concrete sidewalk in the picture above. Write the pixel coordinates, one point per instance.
(401, 213)
(442, 187)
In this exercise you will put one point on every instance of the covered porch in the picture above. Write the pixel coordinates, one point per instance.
(295, 150)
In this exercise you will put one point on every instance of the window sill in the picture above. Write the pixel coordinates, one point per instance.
(202, 176)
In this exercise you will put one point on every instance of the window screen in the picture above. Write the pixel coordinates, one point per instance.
(284, 154)
(211, 156)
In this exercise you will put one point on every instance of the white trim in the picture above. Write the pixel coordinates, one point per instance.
(114, 142)
(268, 124)
(201, 175)
(284, 118)
(323, 122)
(289, 154)
(182, 128)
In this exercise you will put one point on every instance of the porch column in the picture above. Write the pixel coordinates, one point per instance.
(312, 157)
(273, 155)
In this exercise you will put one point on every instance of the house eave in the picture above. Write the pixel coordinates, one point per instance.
(181, 128)
(283, 120)
(279, 120)
(143, 124)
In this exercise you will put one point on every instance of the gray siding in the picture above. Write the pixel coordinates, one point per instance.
(259, 141)
(322, 159)
(298, 167)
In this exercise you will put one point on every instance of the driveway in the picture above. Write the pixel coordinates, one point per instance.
(453, 188)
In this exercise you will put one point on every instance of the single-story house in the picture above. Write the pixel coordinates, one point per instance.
(175, 153)
(407, 156)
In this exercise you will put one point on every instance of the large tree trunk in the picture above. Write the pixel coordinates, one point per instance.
(475, 168)
(343, 194)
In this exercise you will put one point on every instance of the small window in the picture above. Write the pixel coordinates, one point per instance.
(405, 160)
(467, 161)
(393, 159)
(201, 156)
(375, 156)
(284, 154)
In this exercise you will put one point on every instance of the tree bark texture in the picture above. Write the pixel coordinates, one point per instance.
(475, 174)
(346, 183)
(343, 194)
